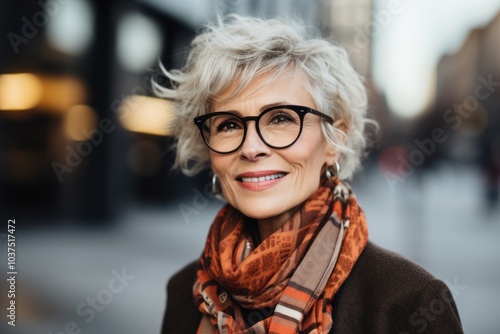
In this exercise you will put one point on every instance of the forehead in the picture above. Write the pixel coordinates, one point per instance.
(265, 89)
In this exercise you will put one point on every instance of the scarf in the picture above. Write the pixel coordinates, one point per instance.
(286, 283)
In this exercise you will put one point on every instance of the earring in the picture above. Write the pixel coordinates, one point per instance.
(216, 190)
(333, 171)
(328, 174)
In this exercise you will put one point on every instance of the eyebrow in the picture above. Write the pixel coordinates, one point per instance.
(261, 109)
(267, 106)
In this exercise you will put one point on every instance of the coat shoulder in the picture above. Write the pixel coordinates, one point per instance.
(183, 278)
(388, 268)
(392, 294)
(181, 314)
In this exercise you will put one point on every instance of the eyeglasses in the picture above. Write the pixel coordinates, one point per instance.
(277, 126)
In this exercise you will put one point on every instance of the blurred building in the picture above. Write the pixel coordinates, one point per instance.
(466, 109)
(468, 90)
(65, 70)
(351, 24)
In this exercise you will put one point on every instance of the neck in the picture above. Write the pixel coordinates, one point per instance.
(268, 226)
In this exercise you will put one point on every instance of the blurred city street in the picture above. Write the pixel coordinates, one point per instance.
(438, 220)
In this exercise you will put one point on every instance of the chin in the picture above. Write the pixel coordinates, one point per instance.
(262, 209)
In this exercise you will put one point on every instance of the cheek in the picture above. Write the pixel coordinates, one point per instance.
(220, 165)
(311, 154)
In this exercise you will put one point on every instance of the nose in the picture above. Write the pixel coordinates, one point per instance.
(253, 147)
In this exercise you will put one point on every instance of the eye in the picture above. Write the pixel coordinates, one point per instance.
(228, 125)
(281, 117)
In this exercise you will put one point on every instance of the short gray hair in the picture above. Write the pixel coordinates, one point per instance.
(236, 49)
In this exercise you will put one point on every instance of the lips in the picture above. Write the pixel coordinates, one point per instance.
(260, 180)
(263, 178)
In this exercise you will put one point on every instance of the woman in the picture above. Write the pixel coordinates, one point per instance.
(280, 117)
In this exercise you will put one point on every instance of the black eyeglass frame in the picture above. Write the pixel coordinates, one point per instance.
(300, 110)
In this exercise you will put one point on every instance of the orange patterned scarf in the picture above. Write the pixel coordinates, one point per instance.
(286, 284)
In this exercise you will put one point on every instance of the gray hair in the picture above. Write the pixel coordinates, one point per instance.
(236, 49)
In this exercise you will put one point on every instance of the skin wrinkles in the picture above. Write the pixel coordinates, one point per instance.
(303, 162)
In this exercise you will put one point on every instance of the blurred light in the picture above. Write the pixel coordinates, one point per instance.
(411, 90)
(70, 30)
(138, 42)
(79, 122)
(20, 91)
(61, 93)
(144, 157)
(146, 115)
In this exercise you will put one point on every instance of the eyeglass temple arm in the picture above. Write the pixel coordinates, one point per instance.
(320, 114)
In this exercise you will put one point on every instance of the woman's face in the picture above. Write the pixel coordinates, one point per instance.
(300, 165)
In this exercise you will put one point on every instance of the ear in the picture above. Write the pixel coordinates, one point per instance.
(341, 125)
(331, 153)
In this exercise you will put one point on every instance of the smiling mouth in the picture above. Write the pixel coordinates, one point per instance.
(263, 178)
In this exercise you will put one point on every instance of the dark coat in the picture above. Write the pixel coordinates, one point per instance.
(384, 293)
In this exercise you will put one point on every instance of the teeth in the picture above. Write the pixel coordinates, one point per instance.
(263, 178)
